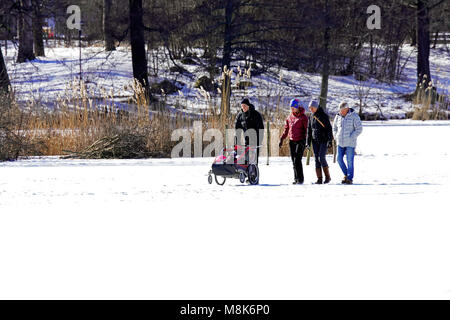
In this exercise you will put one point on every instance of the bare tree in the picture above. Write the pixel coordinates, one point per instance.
(37, 28)
(4, 79)
(25, 32)
(326, 60)
(423, 41)
(107, 26)
(227, 37)
(423, 9)
(139, 56)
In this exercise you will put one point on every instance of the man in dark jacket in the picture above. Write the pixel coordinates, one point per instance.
(250, 122)
(320, 134)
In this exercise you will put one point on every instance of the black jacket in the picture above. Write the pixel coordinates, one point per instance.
(319, 127)
(251, 120)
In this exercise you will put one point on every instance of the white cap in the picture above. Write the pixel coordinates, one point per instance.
(343, 105)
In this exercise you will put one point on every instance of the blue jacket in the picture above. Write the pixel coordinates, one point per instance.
(347, 129)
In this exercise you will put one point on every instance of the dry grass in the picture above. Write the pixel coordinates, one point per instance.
(429, 105)
(79, 121)
(14, 138)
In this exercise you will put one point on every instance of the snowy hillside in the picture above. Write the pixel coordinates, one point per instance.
(156, 229)
(110, 73)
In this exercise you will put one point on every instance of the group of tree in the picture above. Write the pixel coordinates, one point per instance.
(324, 36)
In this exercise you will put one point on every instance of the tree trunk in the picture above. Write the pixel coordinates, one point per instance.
(423, 41)
(371, 71)
(413, 36)
(25, 32)
(436, 37)
(393, 59)
(4, 79)
(107, 26)
(228, 33)
(37, 29)
(326, 59)
(226, 59)
(139, 57)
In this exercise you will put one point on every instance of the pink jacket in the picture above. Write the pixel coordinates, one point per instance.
(296, 126)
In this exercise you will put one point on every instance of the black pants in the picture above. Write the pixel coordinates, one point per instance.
(320, 153)
(297, 148)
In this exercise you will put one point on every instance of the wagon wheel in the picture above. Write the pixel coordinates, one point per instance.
(253, 174)
(242, 177)
(210, 179)
(222, 182)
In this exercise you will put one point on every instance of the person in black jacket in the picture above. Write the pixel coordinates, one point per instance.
(249, 119)
(320, 134)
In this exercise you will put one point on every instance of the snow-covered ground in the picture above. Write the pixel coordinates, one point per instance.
(111, 74)
(156, 229)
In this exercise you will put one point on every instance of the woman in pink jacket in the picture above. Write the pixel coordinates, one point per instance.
(296, 128)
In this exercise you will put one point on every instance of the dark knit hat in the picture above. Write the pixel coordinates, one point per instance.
(313, 104)
(246, 101)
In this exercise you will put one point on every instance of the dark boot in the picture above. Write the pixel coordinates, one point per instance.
(319, 176)
(295, 176)
(326, 170)
(298, 170)
(344, 181)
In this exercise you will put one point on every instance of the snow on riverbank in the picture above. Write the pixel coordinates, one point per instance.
(156, 229)
(109, 73)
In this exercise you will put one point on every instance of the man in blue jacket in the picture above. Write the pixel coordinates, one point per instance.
(347, 127)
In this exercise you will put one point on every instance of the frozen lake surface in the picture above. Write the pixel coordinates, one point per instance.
(155, 229)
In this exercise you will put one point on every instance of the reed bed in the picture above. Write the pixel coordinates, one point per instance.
(78, 123)
(428, 103)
